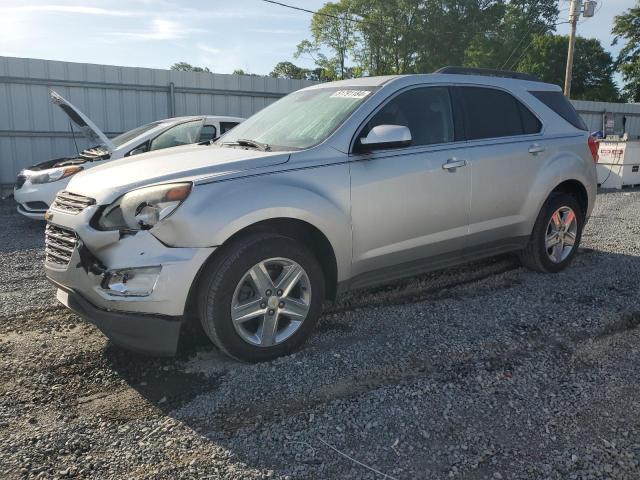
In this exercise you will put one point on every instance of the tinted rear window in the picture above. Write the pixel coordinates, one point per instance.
(491, 113)
(557, 102)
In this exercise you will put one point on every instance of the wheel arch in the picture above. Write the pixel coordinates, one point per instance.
(295, 228)
(576, 189)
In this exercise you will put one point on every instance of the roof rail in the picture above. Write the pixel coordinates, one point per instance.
(488, 72)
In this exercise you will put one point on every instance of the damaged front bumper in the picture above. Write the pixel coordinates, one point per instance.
(134, 288)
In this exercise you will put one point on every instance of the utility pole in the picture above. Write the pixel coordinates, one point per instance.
(574, 13)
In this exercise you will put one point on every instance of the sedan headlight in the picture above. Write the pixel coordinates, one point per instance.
(143, 208)
(52, 174)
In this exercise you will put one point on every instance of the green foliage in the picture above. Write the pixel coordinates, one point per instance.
(290, 70)
(593, 67)
(379, 37)
(332, 29)
(627, 28)
(239, 71)
(509, 32)
(187, 67)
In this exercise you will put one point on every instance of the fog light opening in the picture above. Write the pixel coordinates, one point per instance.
(132, 282)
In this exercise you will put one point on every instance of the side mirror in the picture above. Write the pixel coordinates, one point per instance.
(385, 136)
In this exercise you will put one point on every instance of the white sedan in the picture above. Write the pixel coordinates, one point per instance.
(37, 186)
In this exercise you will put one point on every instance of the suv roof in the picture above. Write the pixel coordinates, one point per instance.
(474, 76)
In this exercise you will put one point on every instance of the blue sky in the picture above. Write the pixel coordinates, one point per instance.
(220, 34)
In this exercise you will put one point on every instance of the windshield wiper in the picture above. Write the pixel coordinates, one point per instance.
(245, 142)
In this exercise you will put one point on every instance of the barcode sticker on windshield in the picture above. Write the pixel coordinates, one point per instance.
(350, 94)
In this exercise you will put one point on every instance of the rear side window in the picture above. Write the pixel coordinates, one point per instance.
(557, 102)
(491, 113)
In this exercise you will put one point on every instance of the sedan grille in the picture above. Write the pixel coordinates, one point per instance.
(59, 244)
(71, 202)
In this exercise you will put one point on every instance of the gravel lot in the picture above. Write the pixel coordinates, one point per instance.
(487, 371)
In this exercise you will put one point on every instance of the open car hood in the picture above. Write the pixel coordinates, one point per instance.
(86, 126)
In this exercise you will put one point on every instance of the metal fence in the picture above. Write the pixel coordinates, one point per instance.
(593, 114)
(117, 99)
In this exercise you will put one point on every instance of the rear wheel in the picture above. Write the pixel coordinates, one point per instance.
(262, 298)
(556, 235)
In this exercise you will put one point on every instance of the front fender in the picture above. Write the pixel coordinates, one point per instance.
(216, 211)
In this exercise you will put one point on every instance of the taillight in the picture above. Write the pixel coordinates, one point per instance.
(593, 146)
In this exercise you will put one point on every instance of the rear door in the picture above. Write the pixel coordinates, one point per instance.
(506, 150)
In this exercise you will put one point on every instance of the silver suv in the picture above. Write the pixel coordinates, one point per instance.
(337, 186)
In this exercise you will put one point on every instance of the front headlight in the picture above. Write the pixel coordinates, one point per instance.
(143, 208)
(53, 174)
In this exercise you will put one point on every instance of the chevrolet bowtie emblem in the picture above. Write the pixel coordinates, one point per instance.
(48, 215)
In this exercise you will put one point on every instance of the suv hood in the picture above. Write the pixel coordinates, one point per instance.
(194, 163)
(86, 126)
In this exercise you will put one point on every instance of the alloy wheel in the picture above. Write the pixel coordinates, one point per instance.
(561, 234)
(270, 302)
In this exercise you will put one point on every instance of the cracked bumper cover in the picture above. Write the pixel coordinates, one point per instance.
(150, 323)
(149, 334)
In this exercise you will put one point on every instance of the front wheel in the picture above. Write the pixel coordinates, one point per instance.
(556, 235)
(262, 298)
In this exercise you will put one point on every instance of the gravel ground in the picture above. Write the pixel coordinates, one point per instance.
(487, 371)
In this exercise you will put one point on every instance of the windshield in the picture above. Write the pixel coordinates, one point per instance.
(301, 119)
(131, 134)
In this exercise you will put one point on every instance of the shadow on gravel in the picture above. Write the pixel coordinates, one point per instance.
(160, 380)
(20, 230)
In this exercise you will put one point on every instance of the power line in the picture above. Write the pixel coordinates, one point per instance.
(355, 20)
(545, 28)
(313, 12)
(517, 46)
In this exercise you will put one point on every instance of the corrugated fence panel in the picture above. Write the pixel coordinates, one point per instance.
(116, 99)
(592, 113)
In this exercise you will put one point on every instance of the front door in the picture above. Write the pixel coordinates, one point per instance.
(410, 203)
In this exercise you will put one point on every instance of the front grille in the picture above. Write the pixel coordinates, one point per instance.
(71, 202)
(59, 244)
(20, 181)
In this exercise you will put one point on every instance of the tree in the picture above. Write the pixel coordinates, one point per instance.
(388, 34)
(187, 67)
(331, 27)
(507, 30)
(239, 71)
(289, 70)
(627, 27)
(593, 66)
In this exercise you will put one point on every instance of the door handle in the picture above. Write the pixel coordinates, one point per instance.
(452, 164)
(535, 149)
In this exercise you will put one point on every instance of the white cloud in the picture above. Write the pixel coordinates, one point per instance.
(161, 29)
(277, 31)
(208, 49)
(78, 9)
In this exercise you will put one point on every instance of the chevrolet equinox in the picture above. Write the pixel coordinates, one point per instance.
(336, 186)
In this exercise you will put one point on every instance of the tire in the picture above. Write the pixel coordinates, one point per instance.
(228, 278)
(535, 255)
